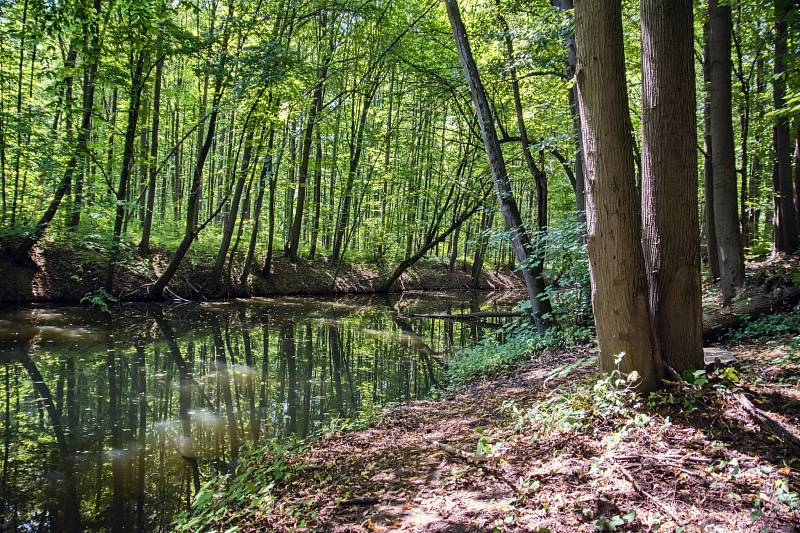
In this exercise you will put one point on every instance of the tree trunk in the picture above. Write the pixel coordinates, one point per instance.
(317, 201)
(520, 239)
(786, 236)
(302, 177)
(712, 248)
(193, 203)
(726, 220)
(137, 82)
(671, 226)
(22, 251)
(144, 244)
(266, 173)
(215, 280)
(580, 163)
(616, 260)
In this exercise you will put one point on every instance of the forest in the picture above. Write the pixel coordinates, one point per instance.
(400, 265)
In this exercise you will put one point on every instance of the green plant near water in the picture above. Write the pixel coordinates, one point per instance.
(226, 497)
(511, 345)
(100, 299)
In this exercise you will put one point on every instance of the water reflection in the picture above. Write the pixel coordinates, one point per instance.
(111, 423)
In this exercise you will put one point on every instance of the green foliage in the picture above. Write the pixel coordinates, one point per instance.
(100, 299)
(772, 325)
(511, 345)
(224, 497)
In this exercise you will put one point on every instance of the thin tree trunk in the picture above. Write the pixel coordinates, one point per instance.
(616, 259)
(712, 248)
(144, 244)
(520, 239)
(786, 230)
(137, 82)
(81, 143)
(266, 174)
(215, 279)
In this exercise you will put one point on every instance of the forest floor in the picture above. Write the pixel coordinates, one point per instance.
(552, 447)
(66, 272)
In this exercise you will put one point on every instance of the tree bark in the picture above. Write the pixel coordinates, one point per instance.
(520, 239)
(712, 247)
(785, 219)
(726, 220)
(616, 259)
(671, 226)
(147, 224)
(137, 82)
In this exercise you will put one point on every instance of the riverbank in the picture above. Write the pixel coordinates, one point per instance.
(548, 446)
(65, 274)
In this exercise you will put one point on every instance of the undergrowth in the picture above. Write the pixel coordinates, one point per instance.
(248, 490)
(509, 346)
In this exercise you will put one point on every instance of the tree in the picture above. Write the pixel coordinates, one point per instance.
(619, 283)
(726, 220)
(786, 230)
(520, 239)
(671, 227)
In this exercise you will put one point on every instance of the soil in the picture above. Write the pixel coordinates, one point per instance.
(707, 467)
(66, 274)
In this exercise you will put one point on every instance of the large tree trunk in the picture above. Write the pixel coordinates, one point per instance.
(616, 260)
(147, 224)
(731, 256)
(520, 239)
(785, 215)
(671, 226)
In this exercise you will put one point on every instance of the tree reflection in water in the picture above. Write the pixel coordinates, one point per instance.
(111, 422)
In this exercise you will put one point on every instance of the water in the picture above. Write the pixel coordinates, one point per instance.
(110, 422)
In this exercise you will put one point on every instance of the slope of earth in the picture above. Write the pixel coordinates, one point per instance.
(551, 447)
(60, 273)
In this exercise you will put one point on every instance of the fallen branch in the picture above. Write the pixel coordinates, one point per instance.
(768, 423)
(363, 500)
(466, 316)
(467, 456)
(658, 503)
(480, 461)
(749, 306)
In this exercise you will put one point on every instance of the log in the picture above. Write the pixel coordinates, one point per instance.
(769, 424)
(749, 306)
(466, 316)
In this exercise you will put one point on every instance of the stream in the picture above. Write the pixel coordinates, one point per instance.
(111, 421)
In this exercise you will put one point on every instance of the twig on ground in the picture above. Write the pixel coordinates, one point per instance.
(479, 460)
(658, 503)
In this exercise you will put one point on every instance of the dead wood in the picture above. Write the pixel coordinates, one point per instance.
(768, 423)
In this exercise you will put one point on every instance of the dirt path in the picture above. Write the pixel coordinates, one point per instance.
(710, 470)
